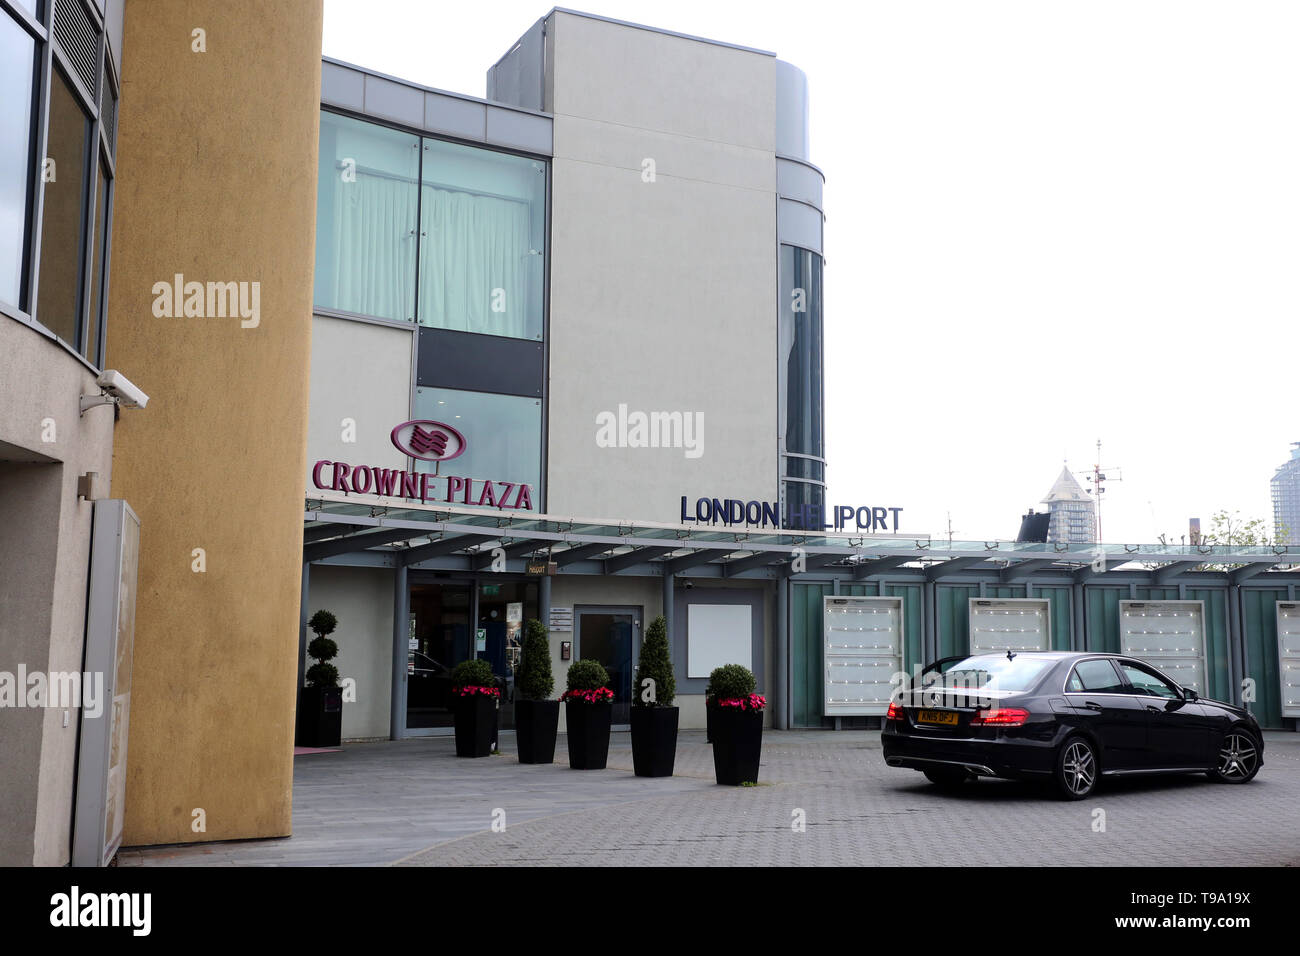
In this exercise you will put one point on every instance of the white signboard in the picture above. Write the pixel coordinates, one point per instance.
(862, 648)
(1169, 635)
(560, 619)
(718, 634)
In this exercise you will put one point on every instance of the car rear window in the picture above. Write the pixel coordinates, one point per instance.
(1018, 673)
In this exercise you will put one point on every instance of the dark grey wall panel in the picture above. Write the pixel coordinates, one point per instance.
(480, 363)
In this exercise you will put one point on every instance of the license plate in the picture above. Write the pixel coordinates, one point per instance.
(947, 717)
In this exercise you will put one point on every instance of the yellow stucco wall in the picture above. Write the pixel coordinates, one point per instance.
(216, 180)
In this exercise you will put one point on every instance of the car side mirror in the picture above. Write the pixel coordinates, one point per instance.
(1190, 694)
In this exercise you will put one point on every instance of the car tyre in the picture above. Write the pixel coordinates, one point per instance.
(947, 778)
(1238, 758)
(1076, 769)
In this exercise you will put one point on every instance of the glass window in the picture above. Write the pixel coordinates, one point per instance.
(1097, 676)
(17, 73)
(1018, 673)
(98, 243)
(503, 439)
(799, 333)
(58, 294)
(482, 231)
(1145, 682)
(365, 218)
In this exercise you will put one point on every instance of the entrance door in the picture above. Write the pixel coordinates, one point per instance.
(610, 635)
(439, 638)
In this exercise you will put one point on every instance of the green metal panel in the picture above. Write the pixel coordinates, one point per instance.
(807, 684)
(912, 595)
(1259, 618)
(866, 589)
(1217, 680)
(1103, 619)
(1157, 594)
(954, 618)
(1005, 591)
(1059, 613)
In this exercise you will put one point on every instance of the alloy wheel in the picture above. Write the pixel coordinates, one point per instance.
(1079, 768)
(1238, 757)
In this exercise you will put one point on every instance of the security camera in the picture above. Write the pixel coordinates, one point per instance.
(687, 585)
(115, 389)
(119, 387)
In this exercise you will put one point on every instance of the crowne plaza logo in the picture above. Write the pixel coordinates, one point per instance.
(428, 441)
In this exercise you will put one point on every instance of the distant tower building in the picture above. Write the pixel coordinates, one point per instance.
(1286, 499)
(1074, 513)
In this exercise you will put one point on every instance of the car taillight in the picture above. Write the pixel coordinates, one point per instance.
(1001, 717)
(895, 712)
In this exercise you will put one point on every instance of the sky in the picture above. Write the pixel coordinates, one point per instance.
(1047, 224)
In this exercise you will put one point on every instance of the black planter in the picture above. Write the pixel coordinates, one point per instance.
(320, 717)
(535, 725)
(588, 733)
(737, 745)
(708, 723)
(476, 725)
(654, 741)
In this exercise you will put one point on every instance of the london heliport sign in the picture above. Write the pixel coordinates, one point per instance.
(768, 514)
(426, 441)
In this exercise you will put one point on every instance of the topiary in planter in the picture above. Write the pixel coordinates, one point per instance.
(320, 703)
(588, 710)
(474, 707)
(653, 717)
(736, 724)
(533, 678)
(654, 665)
(537, 717)
(322, 649)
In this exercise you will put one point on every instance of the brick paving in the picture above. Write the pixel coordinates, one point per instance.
(413, 803)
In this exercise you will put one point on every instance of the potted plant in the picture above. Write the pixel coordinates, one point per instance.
(737, 721)
(475, 695)
(320, 713)
(536, 716)
(588, 708)
(654, 718)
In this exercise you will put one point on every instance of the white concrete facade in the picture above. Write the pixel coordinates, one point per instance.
(662, 288)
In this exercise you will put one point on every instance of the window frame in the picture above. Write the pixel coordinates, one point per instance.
(98, 150)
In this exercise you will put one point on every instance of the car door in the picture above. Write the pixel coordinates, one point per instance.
(1097, 699)
(1177, 733)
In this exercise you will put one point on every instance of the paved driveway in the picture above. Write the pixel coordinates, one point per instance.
(414, 803)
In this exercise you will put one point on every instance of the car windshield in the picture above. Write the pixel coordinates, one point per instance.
(1018, 673)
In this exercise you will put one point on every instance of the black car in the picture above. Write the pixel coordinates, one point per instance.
(1068, 718)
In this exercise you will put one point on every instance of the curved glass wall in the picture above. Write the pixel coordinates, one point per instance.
(802, 399)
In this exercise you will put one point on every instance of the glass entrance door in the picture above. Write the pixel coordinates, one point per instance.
(609, 635)
(439, 637)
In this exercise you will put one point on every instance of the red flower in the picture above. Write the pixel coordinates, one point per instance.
(600, 695)
(752, 702)
(469, 690)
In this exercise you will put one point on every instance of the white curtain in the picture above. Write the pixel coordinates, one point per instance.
(474, 260)
(374, 247)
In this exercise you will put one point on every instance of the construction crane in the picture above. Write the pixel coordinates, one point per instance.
(1098, 480)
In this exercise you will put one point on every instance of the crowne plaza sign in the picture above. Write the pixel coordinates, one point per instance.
(426, 441)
